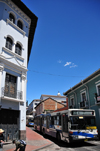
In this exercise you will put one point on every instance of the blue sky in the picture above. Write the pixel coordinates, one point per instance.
(66, 46)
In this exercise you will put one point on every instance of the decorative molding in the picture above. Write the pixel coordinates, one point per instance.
(12, 99)
(19, 11)
(13, 54)
(81, 91)
(72, 96)
(97, 82)
(97, 88)
(1, 67)
(23, 76)
(10, 22)
(12, 65)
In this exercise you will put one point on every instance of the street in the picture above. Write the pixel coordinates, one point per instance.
(63, 146)
(86, 146)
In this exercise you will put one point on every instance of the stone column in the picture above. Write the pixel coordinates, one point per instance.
(23, 85)
(1, 71)
(22, 131)
(13, 47)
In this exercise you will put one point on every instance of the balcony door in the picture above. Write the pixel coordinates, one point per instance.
(10, 86)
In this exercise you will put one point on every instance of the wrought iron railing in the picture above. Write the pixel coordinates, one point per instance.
(12, 94)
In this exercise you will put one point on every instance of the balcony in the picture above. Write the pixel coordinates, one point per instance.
(11, 94)
(84, 104)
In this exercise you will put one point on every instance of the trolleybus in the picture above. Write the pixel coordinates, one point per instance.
(68, 125)
(29, 120)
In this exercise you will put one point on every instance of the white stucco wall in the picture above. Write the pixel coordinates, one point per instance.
(14, 64)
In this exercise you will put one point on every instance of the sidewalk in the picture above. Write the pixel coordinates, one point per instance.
(34, 142)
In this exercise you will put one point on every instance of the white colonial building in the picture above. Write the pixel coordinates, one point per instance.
(31, 108)
(17, 27)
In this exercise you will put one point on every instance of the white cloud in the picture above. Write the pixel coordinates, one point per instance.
(59, 61)
(67, 63)
(73, 65)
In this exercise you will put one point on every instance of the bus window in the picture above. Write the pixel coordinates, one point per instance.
(51, 120)
(55, 120)
(45, 121)
(48, 121)
(65, 123)
(58, 120)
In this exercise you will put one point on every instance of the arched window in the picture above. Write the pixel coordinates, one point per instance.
(11, 17)
(9, 43)
(18, 49)
(19, 24)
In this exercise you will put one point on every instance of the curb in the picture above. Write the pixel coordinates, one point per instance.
(43, 147)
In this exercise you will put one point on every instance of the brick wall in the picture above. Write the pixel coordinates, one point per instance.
(48, 104)
(59, 105)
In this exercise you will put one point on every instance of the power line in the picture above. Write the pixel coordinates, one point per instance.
(53, 74)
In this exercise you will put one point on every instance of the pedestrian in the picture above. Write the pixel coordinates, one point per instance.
(20, 144)
(1, 139)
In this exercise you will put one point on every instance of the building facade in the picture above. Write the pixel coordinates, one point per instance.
(17, 27)
(48, 105)
(86, 94)
(58, 98)
(31, 108)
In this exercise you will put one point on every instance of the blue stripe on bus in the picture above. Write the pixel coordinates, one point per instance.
(31, 123)
(83, 134)
(58, 130)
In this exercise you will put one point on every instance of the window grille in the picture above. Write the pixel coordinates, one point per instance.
(9, 43)
(18, 49)
(19, 24)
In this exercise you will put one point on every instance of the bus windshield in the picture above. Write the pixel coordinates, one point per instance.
(82, 122)
(30, 120)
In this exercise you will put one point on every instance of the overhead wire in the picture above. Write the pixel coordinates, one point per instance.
(53, 74)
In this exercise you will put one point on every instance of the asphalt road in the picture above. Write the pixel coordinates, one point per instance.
(63, 146)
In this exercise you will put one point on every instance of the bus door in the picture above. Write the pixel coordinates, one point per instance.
(40, 124)
(65, 125)
(48, 122)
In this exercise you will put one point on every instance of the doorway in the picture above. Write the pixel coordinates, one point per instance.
(9, 122)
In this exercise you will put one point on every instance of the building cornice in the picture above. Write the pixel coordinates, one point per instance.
(25, 13)
(56, 96)
(17, 10)
(10, 22)
(85, 81)
(12, 65)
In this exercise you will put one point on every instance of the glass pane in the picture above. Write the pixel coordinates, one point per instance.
(9, 43)
(18, 49)
(83, 97)
(12, 18)
(19, 24)
(99, 90)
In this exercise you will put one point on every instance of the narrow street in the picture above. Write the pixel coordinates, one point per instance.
(62, 146)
